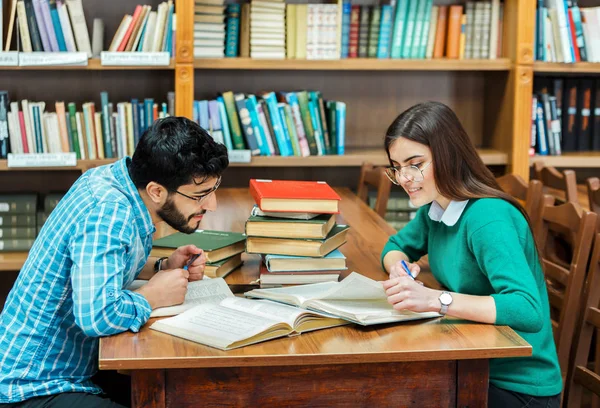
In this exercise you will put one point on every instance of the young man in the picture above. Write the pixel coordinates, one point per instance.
(71, 289)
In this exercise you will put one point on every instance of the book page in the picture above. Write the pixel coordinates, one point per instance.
(216, 326)
(198, 292)
(296, 295)
(265, 308)
(356, 287)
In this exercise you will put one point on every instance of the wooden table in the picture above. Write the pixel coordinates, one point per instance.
(438, 362)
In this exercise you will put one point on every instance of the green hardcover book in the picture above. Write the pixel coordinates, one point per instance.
(289, 122)
(307, 122)
(425, 32)
(9, 245)
(217, 245)
(74, 135)
(418, 32)
(409, 29)
(299, 246)
(363, 31)
(320, 105)
(223, 267)
(331, 124)
(399, 24)
(234, 121)
(21, 220)
(318, 227)
(17, 232)
(51, 201)
(374, 32)
(18, 203)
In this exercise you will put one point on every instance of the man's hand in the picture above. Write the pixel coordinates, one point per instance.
(166, 288)
(181, 257)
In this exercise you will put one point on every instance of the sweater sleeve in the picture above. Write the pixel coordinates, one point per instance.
(500, 254)
(412, 239)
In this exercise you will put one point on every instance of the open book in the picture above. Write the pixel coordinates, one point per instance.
(357, 299)
(235, 322)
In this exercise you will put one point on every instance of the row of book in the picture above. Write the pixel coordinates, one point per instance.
(399, 209)
(111, 131)
(276, 123)
(146, 30)
(413, 29)
(565, 115)
(46, 25)
(567, 33)
(21, 218)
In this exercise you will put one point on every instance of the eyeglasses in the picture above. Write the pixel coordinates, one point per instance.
(199, 199)
(410, 173)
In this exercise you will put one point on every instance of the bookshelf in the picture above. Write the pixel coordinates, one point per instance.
(561, 68)
(94, 64)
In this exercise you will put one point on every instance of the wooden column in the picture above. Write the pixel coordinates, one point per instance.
(184, 59)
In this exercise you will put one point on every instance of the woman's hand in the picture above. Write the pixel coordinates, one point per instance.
(397, 270)
(181, 257)
(404, 293)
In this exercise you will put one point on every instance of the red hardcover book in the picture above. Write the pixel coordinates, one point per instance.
(295, 196)
(354, 26)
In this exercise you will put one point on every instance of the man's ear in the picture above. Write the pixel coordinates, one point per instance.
(157, 193)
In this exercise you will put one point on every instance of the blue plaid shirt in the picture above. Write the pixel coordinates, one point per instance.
(70, 290)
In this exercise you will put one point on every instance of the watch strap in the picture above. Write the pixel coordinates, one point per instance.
(158, 264)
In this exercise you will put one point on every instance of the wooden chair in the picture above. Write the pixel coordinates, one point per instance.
(580, 376)
(564, 183)
(593, 189)
(528, 194)
(564, 282)
(371, 176)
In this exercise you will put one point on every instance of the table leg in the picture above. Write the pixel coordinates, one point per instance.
(148, 388)
(472, 381)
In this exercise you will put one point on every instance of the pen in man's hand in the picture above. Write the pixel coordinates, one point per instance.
(192, 259)
(405, 266)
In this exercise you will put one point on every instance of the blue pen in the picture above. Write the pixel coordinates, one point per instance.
(405, 266)
(192, 259)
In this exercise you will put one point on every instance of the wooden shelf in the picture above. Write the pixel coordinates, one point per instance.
(81, 165)
(12, 261)
(353, 158)
(93, 65)
(356, 64)
(574, 160)
(579, 67)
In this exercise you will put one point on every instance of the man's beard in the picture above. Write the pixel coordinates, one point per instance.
(175, 219)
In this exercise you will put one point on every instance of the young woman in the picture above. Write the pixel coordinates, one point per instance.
(480, 247)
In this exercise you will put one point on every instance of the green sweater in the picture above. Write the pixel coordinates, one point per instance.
(490, 252)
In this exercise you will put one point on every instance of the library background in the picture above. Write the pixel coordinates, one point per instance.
(296, 90)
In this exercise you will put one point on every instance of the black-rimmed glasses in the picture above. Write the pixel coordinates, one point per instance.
(201, 198)
(410, 173)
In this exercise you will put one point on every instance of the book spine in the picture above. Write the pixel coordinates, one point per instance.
(74, 135)
(57, 27)
(80, 30)
(65, 24)
(266, 128)
(4, 136)
(292, 100)
(346, 24)
(246, 124)
(17, 233)
(277, 123)
(265, 109)
(7, 245)
(287, 131)
(340, 120)
(232, 31)
(251, 104)
(307, 122)
(224, 123)
(374, 32)
(34, 30)
(23, 30)
(106, 125)
(234, 122)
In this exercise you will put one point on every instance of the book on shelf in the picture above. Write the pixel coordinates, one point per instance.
(356, 298)
(319, 227)
(227, 322)
(333, 261)
(96, 131)
(217, 245)
(46, 26)
(294, 196)
(299, 246)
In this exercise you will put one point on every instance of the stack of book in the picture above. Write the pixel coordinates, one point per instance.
(17, 221)
(293, 226)
(275, 123)
(146, 30)
(267, 29)
(97, 131)
(209, 28)
(50, 202)
(223, 249)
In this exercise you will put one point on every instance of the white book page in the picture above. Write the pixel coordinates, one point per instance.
(199, 292)
(214, 325)
(356, 287)
(265, 308)
(295, 294)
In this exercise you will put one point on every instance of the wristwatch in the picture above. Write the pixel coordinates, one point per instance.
(446, 300)
(158, 264)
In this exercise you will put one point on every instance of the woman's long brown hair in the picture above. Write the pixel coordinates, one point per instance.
(459, 172)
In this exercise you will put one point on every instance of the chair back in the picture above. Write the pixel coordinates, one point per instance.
(529, 195)
(580, 377)
(375, 177)
(593, 188)
(565, 281)
(565, 182)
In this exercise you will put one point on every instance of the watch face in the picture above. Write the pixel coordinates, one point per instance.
(445, 298)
